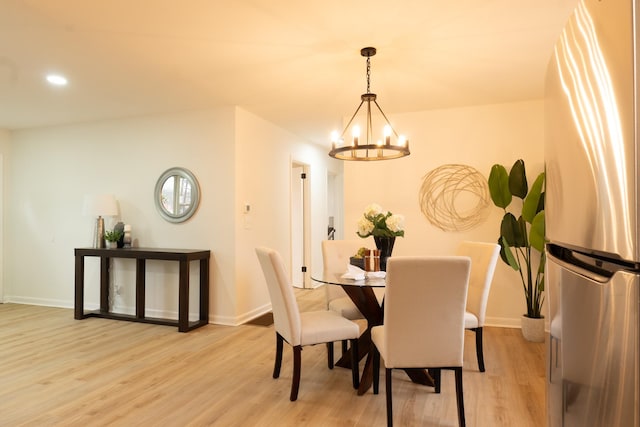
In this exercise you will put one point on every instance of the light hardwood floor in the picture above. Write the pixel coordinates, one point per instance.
(55, 370)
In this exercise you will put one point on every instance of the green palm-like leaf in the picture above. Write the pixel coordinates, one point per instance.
(536, 235)
(503, 254)
(518, 180)
(524, 242)
(541, 265)
(541, 202)
(507, 255)
(499, 186)
(531, 204)
(512, 231)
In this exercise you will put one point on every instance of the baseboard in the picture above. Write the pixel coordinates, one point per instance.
(500, 322)
(244, 318)
(164, 314)
(42, 302)
(507, 322)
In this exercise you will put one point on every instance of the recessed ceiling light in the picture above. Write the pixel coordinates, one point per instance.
(57, 80)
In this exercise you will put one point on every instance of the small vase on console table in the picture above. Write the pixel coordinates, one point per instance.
(385, 245)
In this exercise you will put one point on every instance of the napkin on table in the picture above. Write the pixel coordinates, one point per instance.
(354, 273)
(376, 274)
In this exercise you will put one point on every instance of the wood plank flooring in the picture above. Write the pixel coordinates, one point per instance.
(55, 370)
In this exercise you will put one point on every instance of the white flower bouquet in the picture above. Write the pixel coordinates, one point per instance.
(379, 223)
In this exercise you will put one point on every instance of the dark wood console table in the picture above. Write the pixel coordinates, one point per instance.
(183, 256)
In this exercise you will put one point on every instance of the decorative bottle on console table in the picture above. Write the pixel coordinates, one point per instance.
(127, 236)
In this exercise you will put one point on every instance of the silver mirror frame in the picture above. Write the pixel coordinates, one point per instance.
(195, 194)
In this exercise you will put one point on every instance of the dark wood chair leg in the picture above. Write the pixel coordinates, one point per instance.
(295, 381)
(479, 352)
(278, 364)
(344, 347)
(355, 372)
(376, 370)
(387, 377)
(459, 396)
(437, 379)
(330, 355)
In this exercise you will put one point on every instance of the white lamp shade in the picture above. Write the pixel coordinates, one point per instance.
(100, 205)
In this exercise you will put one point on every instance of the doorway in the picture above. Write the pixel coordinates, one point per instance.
(299, 225)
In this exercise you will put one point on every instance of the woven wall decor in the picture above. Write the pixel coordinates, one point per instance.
(454, 197)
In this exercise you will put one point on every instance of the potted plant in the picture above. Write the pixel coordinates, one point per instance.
(384, 227)
(112, 238)
(522, 237)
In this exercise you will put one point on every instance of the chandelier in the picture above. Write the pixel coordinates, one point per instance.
(389, 146)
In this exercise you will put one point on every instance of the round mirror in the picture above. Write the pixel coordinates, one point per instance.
(177, 194)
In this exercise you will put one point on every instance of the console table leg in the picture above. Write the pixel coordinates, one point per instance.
(204, 290)
(183, 297)
(78, 309)
(104, 284)
(140, 287)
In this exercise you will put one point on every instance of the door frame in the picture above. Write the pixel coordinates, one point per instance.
(305, 226)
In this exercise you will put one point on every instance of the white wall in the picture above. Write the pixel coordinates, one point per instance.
(236, 157)
(51, 169)
(264, 155)
(475, 136)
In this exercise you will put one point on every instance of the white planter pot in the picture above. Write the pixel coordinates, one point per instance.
(533, 329)
(111, 245)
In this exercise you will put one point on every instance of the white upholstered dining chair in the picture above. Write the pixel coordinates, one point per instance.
(423, 321)
(301, 329)
(484, 257)
(335, 259)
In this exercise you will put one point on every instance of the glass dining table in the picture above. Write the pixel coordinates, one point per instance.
(362, 295)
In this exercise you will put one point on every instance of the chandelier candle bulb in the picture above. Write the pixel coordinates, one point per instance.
(387, 134)
(334, 139)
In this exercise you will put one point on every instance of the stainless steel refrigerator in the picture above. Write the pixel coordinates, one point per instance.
(592, 217)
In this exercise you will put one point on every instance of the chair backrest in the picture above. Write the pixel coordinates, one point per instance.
(484, 257)
(286, 314)
(425, 299)
(335, 259)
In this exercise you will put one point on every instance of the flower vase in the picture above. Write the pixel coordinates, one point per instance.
(385, 245)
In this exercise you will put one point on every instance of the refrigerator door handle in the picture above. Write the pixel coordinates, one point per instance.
(596, 274)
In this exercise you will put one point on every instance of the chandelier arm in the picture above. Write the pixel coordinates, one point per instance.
(369, 123)
(386, 119)
(352, 117)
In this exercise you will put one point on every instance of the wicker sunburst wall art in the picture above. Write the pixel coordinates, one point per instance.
(454, 197)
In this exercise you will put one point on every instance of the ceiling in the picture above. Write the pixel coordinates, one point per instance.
(294, 63)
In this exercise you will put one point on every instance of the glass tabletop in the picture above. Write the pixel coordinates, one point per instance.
(336, 279)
